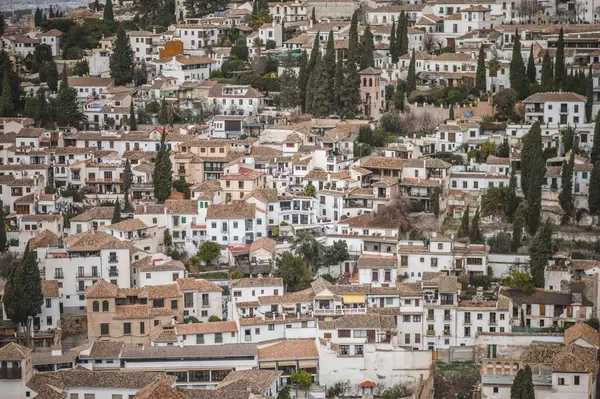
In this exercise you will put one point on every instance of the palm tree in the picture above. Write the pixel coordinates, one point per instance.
(307, 246)
(492, 203)
(494, 66)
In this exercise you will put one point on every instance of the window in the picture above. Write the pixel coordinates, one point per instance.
(407, 339)
(104, 329)
(561, 381)
(406, 318)
(271, 327)
(358, 350)
(96, 306)
(174, 304)
(199, 339)
(576, 380)
(343, 333)
(188, 299)
(344, 350)
(218, 338)
(158, 303)
(89, 396)
(495, 389)
(127, 328)
(142, 327)
(434, 262)
(105, 306)
(417, 318)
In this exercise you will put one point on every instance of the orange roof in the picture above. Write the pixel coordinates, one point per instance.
(367, 383)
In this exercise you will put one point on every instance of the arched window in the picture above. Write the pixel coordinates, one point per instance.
(105, 306)
(96, 306)
(370, 82)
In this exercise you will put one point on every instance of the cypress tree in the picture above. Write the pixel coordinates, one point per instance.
(539, 253)
(594, 190)
(127, 182)
(565, 197)
(463, 231)
(7, 106)
(353, 38)
(23, 296)
(518, 226)
(547, 79)
(162, 176)
(303, 76)
(121, 61)
(393, 54)
(288, 82)
(399, 37)
(350, 99)
(108, 11)
(589, 102)
(411, 80)
(480, 81)
(595, 154)
(51, 75)
(559, 62)
(518, 77)
(116, 212)
(314, 54)
(522, 387)
(132, 120)
(30, 107)
(338, 87)
(367, 48)
(329, 61)
(310, 89)
(451, 112)
(512, 201)
(404, 47)
(533, 170)
(531, 74)
(320, 105)
(3, 240)
(313, 17)
(474, 232)
(68, 112)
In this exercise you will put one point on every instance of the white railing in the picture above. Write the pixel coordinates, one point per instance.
(340, 312)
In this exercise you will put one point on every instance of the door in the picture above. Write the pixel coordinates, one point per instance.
(370, 335)
(381, 302)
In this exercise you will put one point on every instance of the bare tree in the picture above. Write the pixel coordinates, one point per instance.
(528, 9)
(430, 42)
(580, 11)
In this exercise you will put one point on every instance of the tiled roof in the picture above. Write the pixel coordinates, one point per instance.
(99, 212)
(555, 96)
(264, 195)
(50, 288)
(152, 209)
(102, 289)
(583, 331)
(159, 389)
(257, 282)
(563, 359)
(89, 81)
(379, 162)
(14, 352)
(255, 381)
(189, 207)
(206, 328)
(494, 160)
(93, 240)
(542, 297)
(233, 210)
(200, 351)
(163, 291)
(140, 312)
(128, 225)
(294, 349)
(364, 321)
(367, 261)
(263, 243)
(44, 239)
(369, 220)
(288, 298)
(147, 264)
(201, 285)
(106, 350)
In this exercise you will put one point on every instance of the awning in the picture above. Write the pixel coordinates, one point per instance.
(286, 363)
(354, 298)
(306, 364)
(266, 365)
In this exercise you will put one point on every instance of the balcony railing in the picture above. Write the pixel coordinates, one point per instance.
(328, 312)
(113, 272)
(113, 259)
(10, 373)
(431, 333)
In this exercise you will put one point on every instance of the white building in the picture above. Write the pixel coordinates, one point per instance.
(186, 67)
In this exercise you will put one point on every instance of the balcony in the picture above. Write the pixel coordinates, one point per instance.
(431, 333)
(102, 181)
(467, 321)
(59, 276)
(338, 312)
(113, 259)
(205, 304)
(113, 272)
(89, 275)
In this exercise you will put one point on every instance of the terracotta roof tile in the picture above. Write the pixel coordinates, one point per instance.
(295, 349)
